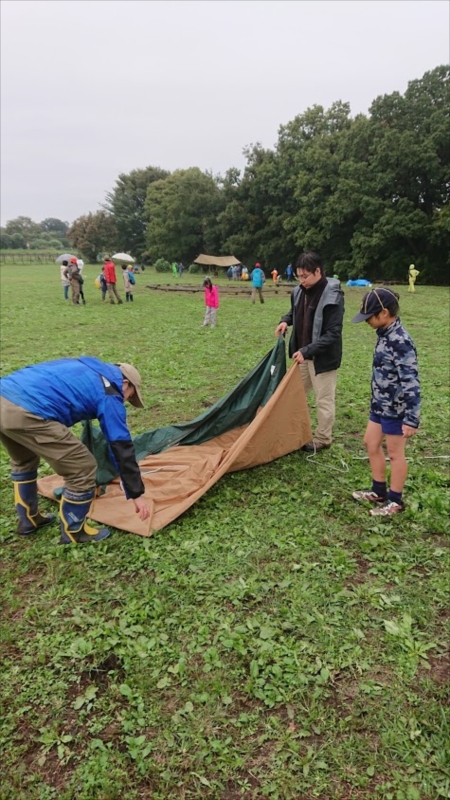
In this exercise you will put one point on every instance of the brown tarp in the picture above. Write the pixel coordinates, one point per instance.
(216, 261)
(176, 478)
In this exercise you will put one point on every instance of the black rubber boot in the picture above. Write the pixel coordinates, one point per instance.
(26, 502)
(73, 511)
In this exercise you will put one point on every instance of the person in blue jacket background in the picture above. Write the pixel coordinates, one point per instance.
(257, 278)
(38, 406)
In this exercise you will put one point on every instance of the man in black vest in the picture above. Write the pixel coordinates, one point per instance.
(316, 317)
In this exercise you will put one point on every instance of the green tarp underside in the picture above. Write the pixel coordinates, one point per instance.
(237, 408)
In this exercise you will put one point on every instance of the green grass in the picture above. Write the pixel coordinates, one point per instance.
(274, 642)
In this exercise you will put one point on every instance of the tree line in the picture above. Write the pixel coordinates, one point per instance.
(22, 233)
(370, 193)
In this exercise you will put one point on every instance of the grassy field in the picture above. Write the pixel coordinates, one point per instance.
(274, 642)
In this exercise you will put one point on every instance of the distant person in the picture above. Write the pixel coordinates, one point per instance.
(175, 269)
(65, 281)
(39, 404)
(127, 282)
(289, 273)
(395, 401)
(244, 275)
(100, 282)
(257, 278)
(76, 263)
(274, 274)
(111, 281)
(230, 273)
(75, 279)
(412, 277)
(316, 317)
(211, 303)
(180, 269)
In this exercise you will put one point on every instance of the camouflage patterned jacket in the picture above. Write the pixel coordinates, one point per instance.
(395, 377)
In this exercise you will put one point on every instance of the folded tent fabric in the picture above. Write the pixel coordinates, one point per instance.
(235, 409)
(262, 418)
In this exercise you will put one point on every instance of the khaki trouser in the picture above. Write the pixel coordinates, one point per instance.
(259, 290)
(112, 291)
(324, 388)
(75, 291)
(27, 438)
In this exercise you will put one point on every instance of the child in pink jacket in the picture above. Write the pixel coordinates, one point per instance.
(211, 302)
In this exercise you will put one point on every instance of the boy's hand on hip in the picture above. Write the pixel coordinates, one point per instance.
(408, 431)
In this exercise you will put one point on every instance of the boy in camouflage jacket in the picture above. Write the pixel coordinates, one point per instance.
(395, 401)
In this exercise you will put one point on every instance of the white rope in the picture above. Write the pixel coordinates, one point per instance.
(345, 468)
(364, 458)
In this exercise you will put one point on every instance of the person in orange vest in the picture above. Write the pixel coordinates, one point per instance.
(274, 274)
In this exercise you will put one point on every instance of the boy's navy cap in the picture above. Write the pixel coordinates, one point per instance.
(373, 302)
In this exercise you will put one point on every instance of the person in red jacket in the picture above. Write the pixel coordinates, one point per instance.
(109, 272)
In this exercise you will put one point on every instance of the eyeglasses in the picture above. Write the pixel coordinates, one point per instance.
(303, 276)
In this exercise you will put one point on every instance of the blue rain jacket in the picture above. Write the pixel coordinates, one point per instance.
(70, 390)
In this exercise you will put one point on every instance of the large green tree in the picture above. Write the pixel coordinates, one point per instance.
(181, 213)
(251, 226)
(370, 193)
(5, 240)
(93, 234)
(309, 156)
(50, 233)
(126, 203)
(399, 183)
(24, 227)
(54, 225)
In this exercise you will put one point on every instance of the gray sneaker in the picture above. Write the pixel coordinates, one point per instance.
(388, 508)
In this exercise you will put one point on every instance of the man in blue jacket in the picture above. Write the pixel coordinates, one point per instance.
(316, 317)
(38, 406)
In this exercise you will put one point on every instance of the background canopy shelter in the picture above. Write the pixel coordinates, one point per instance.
(123, 257)
(216, 261)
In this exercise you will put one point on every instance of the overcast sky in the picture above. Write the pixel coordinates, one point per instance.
(93, 88)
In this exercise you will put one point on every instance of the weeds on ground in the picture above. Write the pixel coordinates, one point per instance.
(275, 642)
